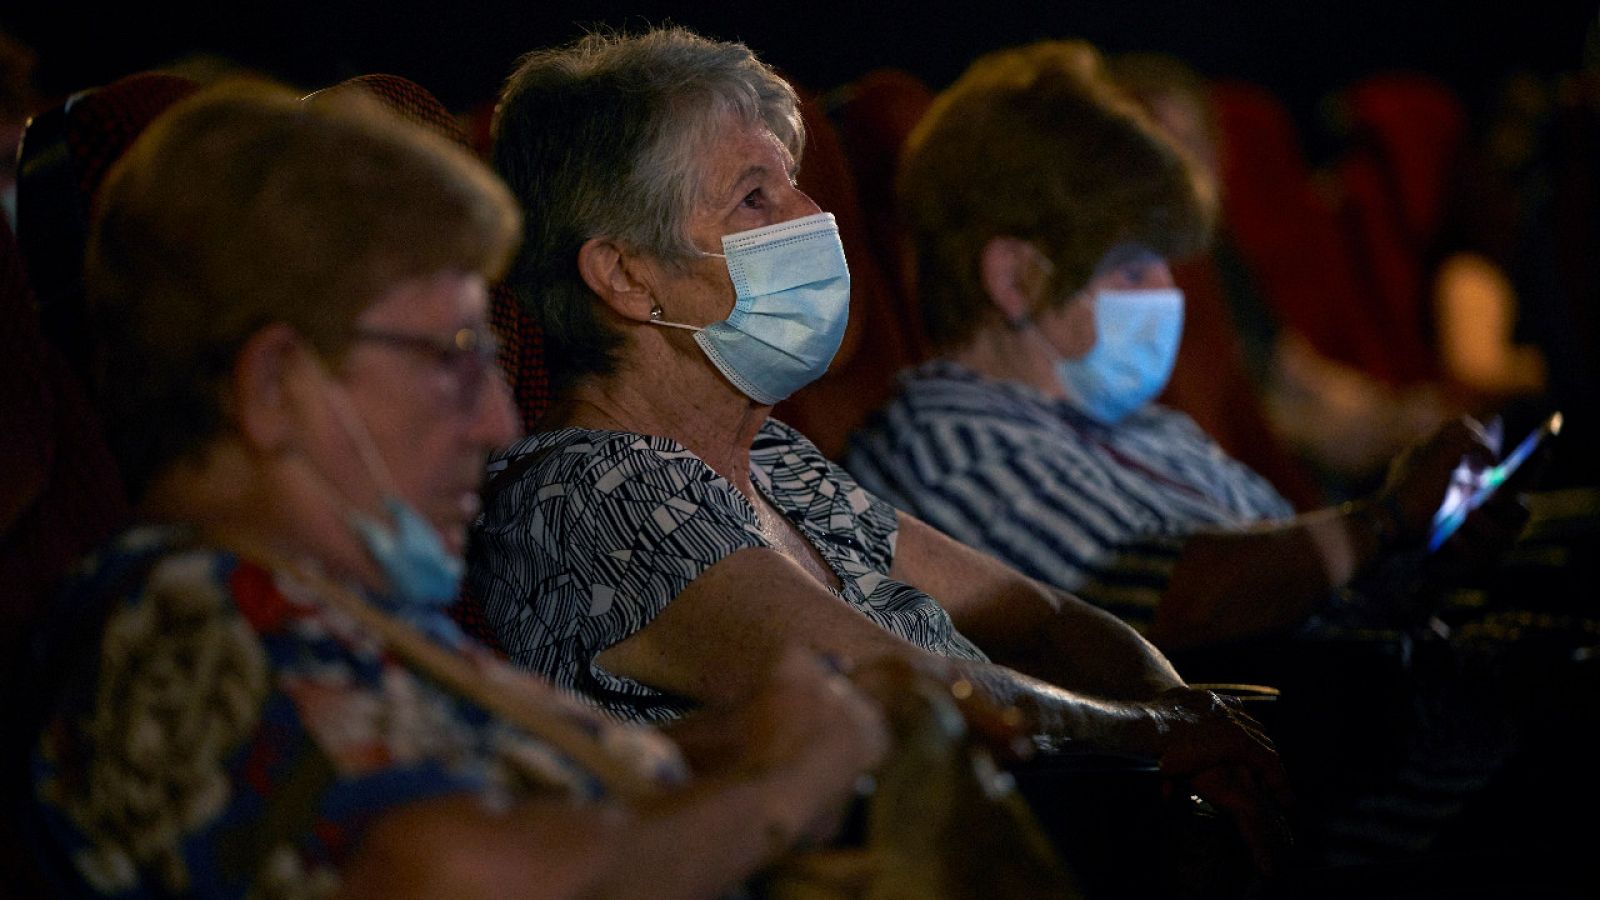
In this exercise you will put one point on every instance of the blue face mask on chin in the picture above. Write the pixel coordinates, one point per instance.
(408, 550)
(1133, 355)
(792, 289)
(419, 569)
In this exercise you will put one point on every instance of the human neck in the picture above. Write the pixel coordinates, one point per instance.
(711, 420)
(263, 509)
(1001, 352)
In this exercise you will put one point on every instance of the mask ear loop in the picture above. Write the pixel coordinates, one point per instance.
(356, 431)
(655, 319)
(1029, 322)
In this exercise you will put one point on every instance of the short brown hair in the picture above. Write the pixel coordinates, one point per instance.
(1037, 143)
(244, 206)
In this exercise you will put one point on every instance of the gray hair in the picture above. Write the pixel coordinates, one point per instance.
(606, 138)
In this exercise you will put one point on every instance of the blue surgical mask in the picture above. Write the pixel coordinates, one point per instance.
(419, 569)
(1137, 344)
(792, 290)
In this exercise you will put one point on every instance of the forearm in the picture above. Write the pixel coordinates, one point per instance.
(1230, 585)
(1057, 718)
(1064, 641)
(1026, 625)
(707, 839)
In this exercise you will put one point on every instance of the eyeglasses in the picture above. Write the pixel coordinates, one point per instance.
(468, 356)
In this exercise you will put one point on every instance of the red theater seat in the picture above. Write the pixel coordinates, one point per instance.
(1288, 235)
(65, 154)
(521, 347)
(1406, 131)
(876, 344)
(875, 114)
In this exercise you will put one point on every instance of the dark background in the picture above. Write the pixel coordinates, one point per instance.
(461, 51)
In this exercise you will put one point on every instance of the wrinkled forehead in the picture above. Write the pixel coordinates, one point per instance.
(730, 148)
(442, 300)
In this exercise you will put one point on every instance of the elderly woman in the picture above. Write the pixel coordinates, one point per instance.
(1043, 207)
(270, 699)
(660, 540)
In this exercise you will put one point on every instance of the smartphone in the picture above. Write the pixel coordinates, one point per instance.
(1470, 490)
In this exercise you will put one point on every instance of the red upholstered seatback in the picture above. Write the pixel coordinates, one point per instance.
(1288, 234)
(62, 492)
(1406, 131)
(65, 155)
(411, 101)
(521, 346)
(875, 114)
(1212, 385)
(875, 346)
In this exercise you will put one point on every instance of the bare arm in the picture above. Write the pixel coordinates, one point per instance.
(1026, 625)
(1236, 584)
(803, 741)
(1241, 583)
(741, 613)
(734, 618)
(698, 843)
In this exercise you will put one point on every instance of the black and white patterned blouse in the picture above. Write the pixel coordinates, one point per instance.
(587, 535)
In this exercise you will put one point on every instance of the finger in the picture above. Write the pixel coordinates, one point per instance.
(1235, 794)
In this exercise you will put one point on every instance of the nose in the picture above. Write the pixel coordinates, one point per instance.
(797, 205)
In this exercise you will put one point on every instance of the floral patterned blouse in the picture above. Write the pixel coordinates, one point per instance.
(227, 733)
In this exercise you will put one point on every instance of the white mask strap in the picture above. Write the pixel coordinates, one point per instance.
(655, 318)
(356, 430)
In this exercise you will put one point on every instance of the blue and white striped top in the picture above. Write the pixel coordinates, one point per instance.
(587, 535)
(1099, 510)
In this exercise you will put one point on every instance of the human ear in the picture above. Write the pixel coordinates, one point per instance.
(262, 398)
(1009, 268)
(613, 273)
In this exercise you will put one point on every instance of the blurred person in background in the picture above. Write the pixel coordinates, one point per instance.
(1043, 208)
(1346, 421)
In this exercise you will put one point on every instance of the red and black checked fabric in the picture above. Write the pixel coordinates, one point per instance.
(521, 355)
(411, 101)
(103, 123)
(521, 344)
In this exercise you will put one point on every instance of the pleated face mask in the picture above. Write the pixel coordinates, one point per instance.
(792, 290)
(1132, 357)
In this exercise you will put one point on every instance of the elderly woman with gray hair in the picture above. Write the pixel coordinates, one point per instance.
(660, 539)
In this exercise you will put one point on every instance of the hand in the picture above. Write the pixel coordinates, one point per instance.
(895, 684)
(1419, 477)
(1224, 757)
(811, 730)
(1491, 529)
